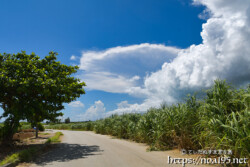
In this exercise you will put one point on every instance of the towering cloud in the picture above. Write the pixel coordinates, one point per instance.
(224, 53)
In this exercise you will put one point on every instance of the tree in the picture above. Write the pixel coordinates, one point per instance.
(67, 120)
(35, 89)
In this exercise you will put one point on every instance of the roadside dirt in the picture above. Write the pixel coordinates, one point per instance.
(23, 140)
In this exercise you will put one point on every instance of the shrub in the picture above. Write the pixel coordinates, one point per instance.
(67, 120)
(40, 127)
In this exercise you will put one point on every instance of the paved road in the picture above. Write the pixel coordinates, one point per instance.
(87, 149)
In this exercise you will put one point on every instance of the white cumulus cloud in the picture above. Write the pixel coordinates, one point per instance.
(109, 82)
(76, 104)
(123, 104)
(73, 57)
(135, 108)
(94, 112)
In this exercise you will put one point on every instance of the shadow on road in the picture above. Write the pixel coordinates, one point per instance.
(67, 152)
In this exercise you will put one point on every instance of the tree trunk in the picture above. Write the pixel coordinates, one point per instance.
(10, 128)
(36, 130)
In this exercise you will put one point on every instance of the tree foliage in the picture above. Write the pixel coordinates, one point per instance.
(35, 89)
(67, 120)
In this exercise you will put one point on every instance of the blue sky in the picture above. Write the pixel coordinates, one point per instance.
(71, 27)
(124, 46)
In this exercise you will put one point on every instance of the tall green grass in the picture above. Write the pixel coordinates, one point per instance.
(86, 126)
(218, 121)
(224, 121)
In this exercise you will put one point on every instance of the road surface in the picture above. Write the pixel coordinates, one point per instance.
(87, 149)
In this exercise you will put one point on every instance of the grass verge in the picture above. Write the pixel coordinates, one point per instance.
(55, 138)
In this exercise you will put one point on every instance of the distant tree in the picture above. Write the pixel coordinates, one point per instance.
(35, 89)
(67, 120)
